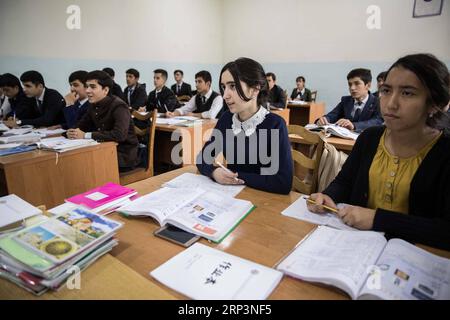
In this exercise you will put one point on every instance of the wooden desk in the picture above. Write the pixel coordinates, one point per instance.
(45, 177)
(192, 140)
(264, 236)
(284, 113)
(302, 114)
(107, 278)
(345, 145)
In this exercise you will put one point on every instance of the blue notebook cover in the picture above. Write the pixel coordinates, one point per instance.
(19, 149)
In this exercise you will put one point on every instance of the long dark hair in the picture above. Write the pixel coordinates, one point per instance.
(252, 74)
(435, 77)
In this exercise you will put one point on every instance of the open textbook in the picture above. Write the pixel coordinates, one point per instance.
(62, 144)
(332, 129)
(205, 213)
(299, 210)
(192, 180)
(367, 266)
(201, 272)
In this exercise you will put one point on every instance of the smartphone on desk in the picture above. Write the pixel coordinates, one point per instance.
(176, 235)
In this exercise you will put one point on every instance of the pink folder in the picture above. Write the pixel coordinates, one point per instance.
(101, 195)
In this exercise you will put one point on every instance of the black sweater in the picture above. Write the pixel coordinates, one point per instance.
(428, 220)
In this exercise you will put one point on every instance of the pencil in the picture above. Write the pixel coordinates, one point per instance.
(226, 169)
(322, 205)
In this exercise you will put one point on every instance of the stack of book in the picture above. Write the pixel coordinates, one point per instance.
(62, 144)
(45, 255)
(104, 199)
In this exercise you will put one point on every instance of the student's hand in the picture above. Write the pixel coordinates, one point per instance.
(345, 123)
(142, 109)
(320, 199)
(75, 134)
(357, 217)
(322, 121)
(11, 123)
(226, 177)
(70, 98)
(170, 114)
(58, 126)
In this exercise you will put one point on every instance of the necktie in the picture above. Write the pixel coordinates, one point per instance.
(39, 105)
(203, 99)
(77, 104)
(130, 92)
(357, 114)
(178, 88)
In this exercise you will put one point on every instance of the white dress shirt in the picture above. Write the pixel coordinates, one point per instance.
(210, 114)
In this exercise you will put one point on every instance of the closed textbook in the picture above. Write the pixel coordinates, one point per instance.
(201, 272)
(103, 196)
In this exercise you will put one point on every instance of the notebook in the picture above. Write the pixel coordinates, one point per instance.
(201, 272)
(14, 210)
(367, 266)
(18, 149)
(102, 197)
(208, 214)
(332, 129)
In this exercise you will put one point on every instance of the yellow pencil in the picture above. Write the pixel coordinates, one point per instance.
(322, 205)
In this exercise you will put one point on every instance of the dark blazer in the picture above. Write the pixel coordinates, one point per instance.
(185, 90)
(23, 107)
(305, 97)
(74, 113)
(52, 110)
(370, 115)
(117, 91)
(112, 120)
(138, 98)
(165, 97)
(277, 97)
(428, 221)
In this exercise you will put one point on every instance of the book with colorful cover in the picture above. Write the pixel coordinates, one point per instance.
(102, 197)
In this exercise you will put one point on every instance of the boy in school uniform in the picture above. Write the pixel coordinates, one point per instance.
(358, 111)
(205, 104)
(181, 88)
(20, 106)
(135, 93)
(380, 80)
(111, 118)
(47, 109)
(116, 90)
(161, 98)
(77, 102)
(301, 93)
(277, 97)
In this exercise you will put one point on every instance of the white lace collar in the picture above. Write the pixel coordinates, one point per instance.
(249, 125)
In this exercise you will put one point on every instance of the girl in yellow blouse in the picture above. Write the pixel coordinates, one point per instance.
(397, 178)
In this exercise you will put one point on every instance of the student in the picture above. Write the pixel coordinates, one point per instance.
(277, 97)
(135, 93)
(181, 88)
(301, 93)
(358, 111)
(380, 80)
(77, 102)
(20, 107)
(162, 98)
(205, 104)
(396, 179)
(5, 106)
(253, 141)
(116, 90)
(48, 105)
(111, 116)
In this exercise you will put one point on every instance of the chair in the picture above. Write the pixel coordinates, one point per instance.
(144, 172)
(306, 163)
(313, 96)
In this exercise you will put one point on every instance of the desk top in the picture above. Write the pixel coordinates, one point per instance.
(206, 123)
(41, 155)
(339, 143)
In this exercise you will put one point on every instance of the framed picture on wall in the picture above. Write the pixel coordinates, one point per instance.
(427, 8)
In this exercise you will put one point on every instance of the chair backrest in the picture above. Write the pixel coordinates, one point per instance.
(313, 95)
(150, 133)
(307, 164)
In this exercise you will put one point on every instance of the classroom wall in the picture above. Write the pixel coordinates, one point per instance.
(324, 39)
(321, 40)
(145, 34)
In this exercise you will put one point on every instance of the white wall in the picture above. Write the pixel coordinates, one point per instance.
(321, 39)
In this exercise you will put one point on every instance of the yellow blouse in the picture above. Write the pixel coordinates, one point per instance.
(390, 178)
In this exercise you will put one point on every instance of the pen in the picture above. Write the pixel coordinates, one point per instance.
(322, 205)
(167, 110)
(226, 169)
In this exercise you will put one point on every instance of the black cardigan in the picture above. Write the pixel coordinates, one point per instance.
(428, 220)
